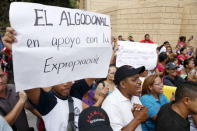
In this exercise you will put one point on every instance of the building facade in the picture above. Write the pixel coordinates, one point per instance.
(163, 20)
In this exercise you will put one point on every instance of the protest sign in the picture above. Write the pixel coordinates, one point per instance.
(56, 45)
(137, 54)
(169, 91)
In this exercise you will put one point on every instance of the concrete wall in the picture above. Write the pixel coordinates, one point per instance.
(163, 20)
(189, 21)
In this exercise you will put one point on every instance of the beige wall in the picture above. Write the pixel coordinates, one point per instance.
(189, 21)
(162, 20)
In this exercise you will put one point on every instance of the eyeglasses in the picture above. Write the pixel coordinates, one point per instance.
(158, 84)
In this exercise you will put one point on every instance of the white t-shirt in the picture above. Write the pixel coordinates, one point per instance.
(119, 109)
(57, 118)
(163, 49)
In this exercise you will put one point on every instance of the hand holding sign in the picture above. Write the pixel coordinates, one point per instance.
(56, 45)
(9, 38)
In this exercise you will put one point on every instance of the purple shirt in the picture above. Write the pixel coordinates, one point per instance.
(90, 100)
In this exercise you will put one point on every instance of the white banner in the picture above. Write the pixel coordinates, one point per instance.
(56, 45)
(137, 54)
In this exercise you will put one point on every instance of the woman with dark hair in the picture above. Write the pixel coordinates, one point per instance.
(189, 71)
(152, 98)
(162, 59)
(163, 47)
(183, 55)
(95, 97)
(109, 81)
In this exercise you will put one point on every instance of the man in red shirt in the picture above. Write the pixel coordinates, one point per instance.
(147, 39)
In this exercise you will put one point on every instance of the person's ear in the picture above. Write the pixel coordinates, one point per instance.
(123, 84)
(186, 100)
(150, 88)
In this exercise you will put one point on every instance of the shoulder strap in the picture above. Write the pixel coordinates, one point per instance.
(71, 124)
(71, 109)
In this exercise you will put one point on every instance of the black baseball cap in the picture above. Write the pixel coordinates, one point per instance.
(126, 71)
(171, 66)
(94, 119)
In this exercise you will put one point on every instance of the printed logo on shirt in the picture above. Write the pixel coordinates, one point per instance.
(77, 111)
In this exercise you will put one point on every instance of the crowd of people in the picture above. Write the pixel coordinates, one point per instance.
(127, 99)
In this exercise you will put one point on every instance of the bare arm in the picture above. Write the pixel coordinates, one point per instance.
(32, 109)
(99, 97)
(97, 103)
(15, 112)
(159, 73)
(34, 95)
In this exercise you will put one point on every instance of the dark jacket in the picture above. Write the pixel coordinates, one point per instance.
(167, 80)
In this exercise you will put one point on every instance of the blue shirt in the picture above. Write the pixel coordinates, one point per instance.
(153, 106)
(4, 125)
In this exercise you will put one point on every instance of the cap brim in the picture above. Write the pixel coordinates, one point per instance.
(173, 68)
(136, 71)
(140, 69)
(100, 128)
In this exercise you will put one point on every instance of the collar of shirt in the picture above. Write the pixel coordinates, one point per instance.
(154, 99)
(120, 96)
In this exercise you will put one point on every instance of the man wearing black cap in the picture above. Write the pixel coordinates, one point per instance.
(122, 106)
(171, 78)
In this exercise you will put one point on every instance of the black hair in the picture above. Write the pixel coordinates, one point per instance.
(112, 65)
(120, 36)
(162, 56)
(182, 38)
(100, 81)
(186, 89)
(166, 42)
(146, 35)
(182, 49)
(186, 62)
(172, 60)
(159, 48)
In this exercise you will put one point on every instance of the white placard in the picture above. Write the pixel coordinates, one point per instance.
(56, 45)
(137, 54)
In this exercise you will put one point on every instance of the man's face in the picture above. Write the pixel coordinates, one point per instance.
(191, 64)
(169, 49)
(192, 105)
(172, 72)
(147, 37)
(133, 85)
(63, 89)
(3, 81)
